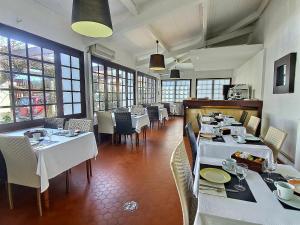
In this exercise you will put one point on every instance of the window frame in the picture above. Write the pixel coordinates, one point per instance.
(213, 84)
(143, 90)
(175, 86)
(107, 64)
(43, 43)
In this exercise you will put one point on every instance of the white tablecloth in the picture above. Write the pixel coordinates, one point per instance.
(226, 211)
(163, 114)
(235, 130)
(63, 155)
(173, 109)
(138, 122)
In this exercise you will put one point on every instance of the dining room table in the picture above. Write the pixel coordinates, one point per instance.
(163, 114)
(258, 204)
(59, 153)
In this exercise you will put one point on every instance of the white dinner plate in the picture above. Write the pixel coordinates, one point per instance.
(294, 202)
(236, 123)
(252, 138)
(241, 142)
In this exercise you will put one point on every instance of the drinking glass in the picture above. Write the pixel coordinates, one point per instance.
(49, 134)
(241, 170)
(60, 127)
(269, 167)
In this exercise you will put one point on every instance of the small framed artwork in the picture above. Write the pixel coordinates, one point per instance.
(284, 74)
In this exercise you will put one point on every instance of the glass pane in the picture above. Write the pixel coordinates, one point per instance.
(96, 106)
(21, 97)
(49, 83)
(4, 63)
(19, 64)
(35, 67)
(18, 47)
(67, 109)
(50, 97)
(65, 59)
(4, 80)
(6, 115)
(75, 62)
(34, 52)
(66, 85)
(3, 45)
(76, 97)
(38, 112)
(65, 72)
(95, 67)
(77, 108)
(22, 114)
(102, 106)
(48, 55)
(20, 81)
(49, 70)
(76, 85)
(75, 74)
(67, 97)
(5, 98)
(37, 97)
(51, 110)
(36, 82)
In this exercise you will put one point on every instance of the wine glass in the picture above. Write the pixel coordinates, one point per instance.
(269, 167)
(49, 134)
(241, 170)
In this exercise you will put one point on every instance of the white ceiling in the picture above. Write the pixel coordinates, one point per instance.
(179, 25)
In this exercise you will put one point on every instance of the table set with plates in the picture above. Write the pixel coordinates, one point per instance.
(57, 153)
(163, 114)
(237, 181)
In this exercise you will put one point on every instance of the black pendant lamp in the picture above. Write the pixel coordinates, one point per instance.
(157, 61)
(175, 73)
(91, 18)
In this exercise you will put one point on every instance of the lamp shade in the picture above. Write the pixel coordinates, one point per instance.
(157, 62)
(91, 18)
(175, 73)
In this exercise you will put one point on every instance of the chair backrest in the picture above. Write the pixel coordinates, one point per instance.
(253, 125)
(153, 113)
(167, 106)
(182, 174)
(80, 124)
(20, 160)
(137, 109)
(193, 141)
(274, 139)
(158, 104)
(123, 123)
(243, 117)
(121, 109)
(105, 122)
(198, 117)
(54, 123)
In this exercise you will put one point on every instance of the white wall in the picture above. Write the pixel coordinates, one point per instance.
(279, 30)
(251, 73)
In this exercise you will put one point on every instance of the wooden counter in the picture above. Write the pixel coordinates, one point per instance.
(227, 107)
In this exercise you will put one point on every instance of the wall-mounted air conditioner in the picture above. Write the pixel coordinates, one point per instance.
(102, 52)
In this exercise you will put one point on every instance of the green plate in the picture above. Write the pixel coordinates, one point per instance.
(215, 175)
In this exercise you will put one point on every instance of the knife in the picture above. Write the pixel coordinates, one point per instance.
(212, 187)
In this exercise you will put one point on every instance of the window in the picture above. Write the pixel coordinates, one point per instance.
(33, 73)
(71, 86)
(211, 88)
(175, 90)
(146, 89)
(113, 85)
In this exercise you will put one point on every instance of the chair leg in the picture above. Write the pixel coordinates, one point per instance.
(67, 181)
(137, 137)
(112, 138)
(99, 138)
(131, 140)
(10, 197)
(39, 201)
(87, 171)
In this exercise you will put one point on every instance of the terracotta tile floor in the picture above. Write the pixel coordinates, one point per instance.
(120, 174)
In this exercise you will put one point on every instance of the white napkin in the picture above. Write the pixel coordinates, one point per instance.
(211, 191)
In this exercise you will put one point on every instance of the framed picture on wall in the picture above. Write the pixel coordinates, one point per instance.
(284, 74)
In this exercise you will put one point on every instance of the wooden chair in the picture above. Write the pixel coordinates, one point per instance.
(153, 113)
(243, 117)
(54, 123)
(253, 125)
(193, 142)
(182, 174)
(124, 125)
(274, 139)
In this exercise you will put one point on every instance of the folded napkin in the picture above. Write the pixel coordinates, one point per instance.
(212, 191)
